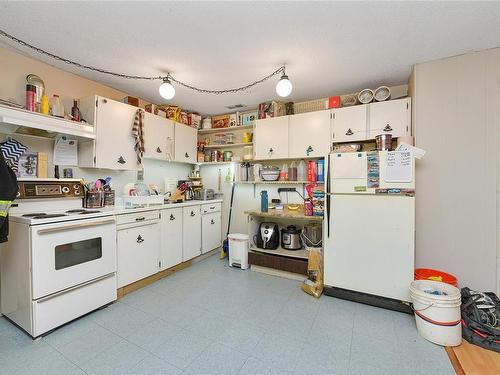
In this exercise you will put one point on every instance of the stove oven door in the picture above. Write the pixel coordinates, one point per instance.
(67, 254)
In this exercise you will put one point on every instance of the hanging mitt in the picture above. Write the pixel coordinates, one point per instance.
(138, 134)
(12, 150)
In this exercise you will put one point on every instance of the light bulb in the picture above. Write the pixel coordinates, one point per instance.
(284, 86)
(167, 90)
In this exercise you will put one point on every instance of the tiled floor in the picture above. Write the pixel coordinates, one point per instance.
(212, 319)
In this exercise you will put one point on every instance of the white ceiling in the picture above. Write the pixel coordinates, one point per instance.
(329, 47)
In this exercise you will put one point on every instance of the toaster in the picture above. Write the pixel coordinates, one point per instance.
(204, 194)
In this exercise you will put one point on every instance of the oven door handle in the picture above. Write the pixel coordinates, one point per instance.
(75, 226)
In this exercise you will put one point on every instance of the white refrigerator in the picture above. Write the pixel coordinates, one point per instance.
(369, 231)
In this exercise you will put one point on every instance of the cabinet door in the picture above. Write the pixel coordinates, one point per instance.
(138, 253)
(349, 124)
(309, 134)
(186, 138)
(191, 234)
(392, 117)
(114, 148)
(171, 238)
(211, 232)
(271, 138)
(158, 137)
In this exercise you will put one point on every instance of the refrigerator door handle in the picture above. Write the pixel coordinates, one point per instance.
(328, 197)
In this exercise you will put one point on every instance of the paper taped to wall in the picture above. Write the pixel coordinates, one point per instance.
(66, 152)
(417, 152)
(398, 166)
(349, 165)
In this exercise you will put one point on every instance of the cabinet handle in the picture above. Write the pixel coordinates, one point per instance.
(192, 213)
(142, 218)
(212, 221)
(121, 160)
(271, 150)
(105, 101)
(140, 239)
(309, 150)
(172, 217)
(158, 150)
(388, 128)
(186, 155)
(349, 132)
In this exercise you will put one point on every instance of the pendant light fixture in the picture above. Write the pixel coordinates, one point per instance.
(284, 86)
(167, 90)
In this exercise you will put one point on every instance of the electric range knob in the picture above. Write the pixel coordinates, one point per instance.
(65, 189)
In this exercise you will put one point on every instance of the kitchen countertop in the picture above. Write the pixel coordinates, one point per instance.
(120, 210)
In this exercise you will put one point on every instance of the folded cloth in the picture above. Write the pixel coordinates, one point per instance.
(138, 134)
(12, 151)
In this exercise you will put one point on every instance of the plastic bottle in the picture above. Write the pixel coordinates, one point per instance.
(284, 173)
(56, 108)
(263, 201)
(292, 172)
(44, 105)
(302, 171)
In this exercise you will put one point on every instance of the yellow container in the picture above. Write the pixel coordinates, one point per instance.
(44, 105)
(247, 137)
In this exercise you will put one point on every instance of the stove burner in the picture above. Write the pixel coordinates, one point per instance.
(77, 211)
(35, 214)
(47, 216)
(89, 212)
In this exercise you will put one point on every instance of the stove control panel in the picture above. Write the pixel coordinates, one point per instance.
(50, 189)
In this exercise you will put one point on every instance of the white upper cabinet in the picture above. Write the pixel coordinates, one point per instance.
(158, 137)
(391, 117)
(271, 138)
(114, 144)
(349, 124)
(309, 134)
(186, 140)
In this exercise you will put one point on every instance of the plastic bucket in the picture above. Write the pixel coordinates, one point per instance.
(437, 311)
(435, 275)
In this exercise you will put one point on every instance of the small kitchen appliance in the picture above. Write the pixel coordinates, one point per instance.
(268, 236)
(204, 194)
(290, 238)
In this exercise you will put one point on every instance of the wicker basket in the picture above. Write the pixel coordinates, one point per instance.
(310, 106)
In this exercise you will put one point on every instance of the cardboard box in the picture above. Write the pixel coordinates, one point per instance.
(220, 121)
(43, 165)
(131, 100)
(152, 108)
(194, 120)
(334, 102)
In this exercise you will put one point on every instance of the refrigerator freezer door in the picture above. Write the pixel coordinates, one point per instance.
(371, 244)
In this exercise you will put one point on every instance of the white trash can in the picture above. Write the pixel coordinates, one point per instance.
(238, 250)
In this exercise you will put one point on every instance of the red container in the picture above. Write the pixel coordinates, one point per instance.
(311, 171)
(334, 102)
(435, 275)
(30, 97)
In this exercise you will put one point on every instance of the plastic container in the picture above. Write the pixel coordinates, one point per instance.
(302, 171)
(311, 171)
(284, 173)
(320, 168)
(238, 250)
(56, 107)
(44, 105)
(435, 275)
(292, 171)
(437, 311)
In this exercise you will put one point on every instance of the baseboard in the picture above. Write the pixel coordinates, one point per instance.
(368, 299)
(278, 273)
(121, 292)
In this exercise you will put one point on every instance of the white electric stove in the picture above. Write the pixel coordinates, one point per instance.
(60, 260)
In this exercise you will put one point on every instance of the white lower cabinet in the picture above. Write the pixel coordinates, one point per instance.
(138, 249)
(191, 232)
(171, 238)
(211, 231)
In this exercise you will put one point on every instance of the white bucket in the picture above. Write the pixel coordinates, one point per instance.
(437, 315)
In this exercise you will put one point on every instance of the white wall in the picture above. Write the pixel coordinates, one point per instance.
(456, 111)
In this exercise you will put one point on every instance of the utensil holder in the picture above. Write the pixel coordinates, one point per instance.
(93, 199)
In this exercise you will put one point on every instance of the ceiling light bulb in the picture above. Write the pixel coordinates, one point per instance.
(284, 86)
(167, 90)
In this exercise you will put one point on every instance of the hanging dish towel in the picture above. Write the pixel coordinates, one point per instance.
(12, 150)
(138, 134)
(8, 192)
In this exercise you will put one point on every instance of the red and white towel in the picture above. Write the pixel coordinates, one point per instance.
(138, 134)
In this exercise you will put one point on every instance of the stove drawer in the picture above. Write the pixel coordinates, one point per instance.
(54, 311)
(137, 217)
